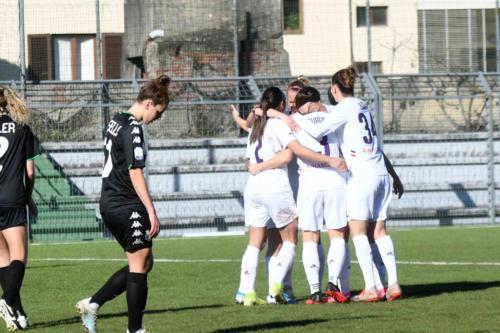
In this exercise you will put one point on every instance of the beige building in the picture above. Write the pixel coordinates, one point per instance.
(61, 39)
(322, 44)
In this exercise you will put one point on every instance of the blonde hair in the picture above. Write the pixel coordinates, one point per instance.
(304, 80)
(14, 105)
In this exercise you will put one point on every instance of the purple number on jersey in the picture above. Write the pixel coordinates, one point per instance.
(259, 147)
(362, 119)
(326, 146)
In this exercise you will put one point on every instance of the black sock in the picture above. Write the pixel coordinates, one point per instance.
(17, 305)
(137, 294)
(13, 279)
(116, 285)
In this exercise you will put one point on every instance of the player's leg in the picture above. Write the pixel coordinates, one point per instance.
(140, 263)
(383, 240)
(378, 264)
(335, 260)
(15, 238)
(311, 261)
(345, 272)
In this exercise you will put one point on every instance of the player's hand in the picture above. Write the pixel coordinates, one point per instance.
(258, 111)
(291, 123)
(254, 169)
(397, 187)
(234, 111)
(338, 163)
(33, 208)
(155, 225)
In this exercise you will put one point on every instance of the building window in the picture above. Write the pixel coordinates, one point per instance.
(378, 16)
(362, 67)
(292, 16)
(72, 57)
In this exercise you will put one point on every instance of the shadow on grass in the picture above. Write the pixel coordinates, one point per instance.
(270, 326)
(432, 289)
(76, 320)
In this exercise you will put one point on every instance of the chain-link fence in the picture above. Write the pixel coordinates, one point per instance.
(77, 63)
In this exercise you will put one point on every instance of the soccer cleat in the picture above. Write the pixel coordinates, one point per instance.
(393, 292)
(275, 294)
(289, 297)
(334, 295)
(251, 299)
(381, 294)
(88, 314)
(315, 298)
(22, 322)
(239, 298)
(8, 316)
(366, 296)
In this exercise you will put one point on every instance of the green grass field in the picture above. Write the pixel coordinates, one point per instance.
(194, 294)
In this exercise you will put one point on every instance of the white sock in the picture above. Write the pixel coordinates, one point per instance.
(364, 254)
(249, 264)
(345, 272)
(321, 255)
(287, 281)
(379, 268)
(272, 267)
(311, 263)
(386, 249)
(284, 261)
(336, 256)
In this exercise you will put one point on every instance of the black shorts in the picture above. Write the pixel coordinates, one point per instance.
(12, 217)
(130, 227)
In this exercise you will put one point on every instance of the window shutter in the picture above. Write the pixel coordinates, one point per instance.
(39, 57)
(112, 56)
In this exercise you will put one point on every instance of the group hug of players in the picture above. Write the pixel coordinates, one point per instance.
(343, 181)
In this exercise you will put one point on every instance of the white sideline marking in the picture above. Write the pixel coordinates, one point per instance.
(165, 260)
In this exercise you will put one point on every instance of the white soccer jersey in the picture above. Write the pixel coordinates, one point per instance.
(276, 137)
(356, 132)
(314, 175)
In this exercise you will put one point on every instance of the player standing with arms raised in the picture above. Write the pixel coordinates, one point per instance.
(17, 179)
(126, 205)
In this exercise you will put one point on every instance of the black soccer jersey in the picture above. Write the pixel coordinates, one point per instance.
(123, 150)
(17, 144)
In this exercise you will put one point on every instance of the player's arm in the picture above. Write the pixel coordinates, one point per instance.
(396, 182)
(308, 154)
(245, 124)
(141, 188)
(30, 185)
(331, 122)
(282, 158)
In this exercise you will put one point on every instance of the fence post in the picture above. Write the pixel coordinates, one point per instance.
(378, 107)
(490, 147)
(22, 48)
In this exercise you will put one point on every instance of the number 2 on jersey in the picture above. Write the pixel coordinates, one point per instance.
(371, 131)
(4, 145)
(259, 147)
(326, 146)
(108, 164)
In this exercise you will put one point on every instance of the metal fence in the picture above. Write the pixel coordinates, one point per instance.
(438, 129)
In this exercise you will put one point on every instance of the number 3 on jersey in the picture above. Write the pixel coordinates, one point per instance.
(108, 163)
(371, 131)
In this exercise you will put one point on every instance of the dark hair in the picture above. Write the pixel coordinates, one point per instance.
(271, 99)
(330, 96)
(155, 90)
(345, 79)
(305, 95)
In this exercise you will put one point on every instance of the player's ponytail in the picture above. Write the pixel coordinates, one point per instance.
(156, 90)
(345, 79)
(299, 83)
(14, 105)
(271, 99)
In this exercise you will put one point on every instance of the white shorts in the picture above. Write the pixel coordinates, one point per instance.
(315, 206)
(259, 208)
(368, 198)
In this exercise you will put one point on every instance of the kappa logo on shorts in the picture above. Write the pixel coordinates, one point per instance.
(136, 225)
(135, 130)
(134, 216)
(137, 233)
(137, 242)
(137, 139)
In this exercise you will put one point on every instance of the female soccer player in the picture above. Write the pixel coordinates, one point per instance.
(368, 191)
(273, 236)
(268, 196)
(17, 179)
(126, 205)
